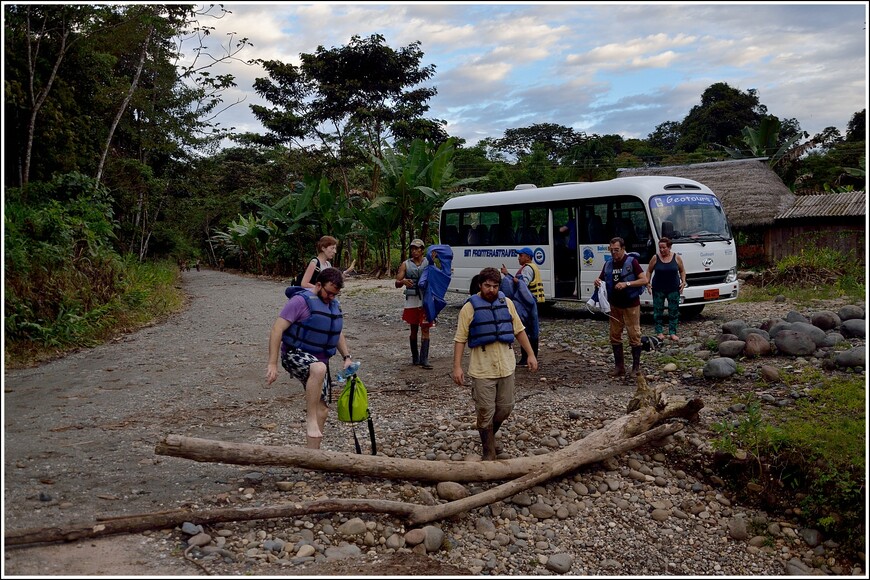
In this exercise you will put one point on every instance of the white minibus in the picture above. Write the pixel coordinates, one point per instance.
(569, 227)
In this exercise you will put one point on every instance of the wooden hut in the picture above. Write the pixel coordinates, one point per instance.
(832, 220)
(752, 195)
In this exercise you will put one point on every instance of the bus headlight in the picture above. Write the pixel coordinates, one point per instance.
(732, 275)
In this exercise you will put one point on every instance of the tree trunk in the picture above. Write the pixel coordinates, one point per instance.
(415, 514)
(596, 443)
(134, 84)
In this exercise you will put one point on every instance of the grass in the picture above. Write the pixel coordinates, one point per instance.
(146, 291)
(819, 274)
(815, 448)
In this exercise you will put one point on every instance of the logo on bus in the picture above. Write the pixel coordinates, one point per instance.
(588, 256)
(539, 256)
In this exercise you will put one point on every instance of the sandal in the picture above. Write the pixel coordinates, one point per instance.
(661, 336)
(675, 338)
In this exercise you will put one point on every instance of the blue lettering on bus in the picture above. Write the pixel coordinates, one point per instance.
(687, 199)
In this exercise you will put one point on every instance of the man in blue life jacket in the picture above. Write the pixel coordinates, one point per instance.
(307, 332)
(625, 281)
(488, 322)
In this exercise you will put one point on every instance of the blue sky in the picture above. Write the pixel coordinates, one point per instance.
(604, 68)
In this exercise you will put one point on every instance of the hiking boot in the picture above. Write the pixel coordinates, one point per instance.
(619, 360)
(424, 354)
(415, 355)
(635, 361)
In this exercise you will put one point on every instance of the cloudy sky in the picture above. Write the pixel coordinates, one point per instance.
(603, 68)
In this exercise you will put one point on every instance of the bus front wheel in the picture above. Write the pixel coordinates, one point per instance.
(690, 312)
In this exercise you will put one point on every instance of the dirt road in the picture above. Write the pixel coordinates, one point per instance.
(80, 432)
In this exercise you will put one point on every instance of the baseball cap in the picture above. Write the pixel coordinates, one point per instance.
(527, 251)
(418, 242)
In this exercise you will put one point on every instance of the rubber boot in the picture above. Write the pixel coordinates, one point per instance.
(415, 355)
(534, 342)
(524, 358)
(635, 360)
(424, 354)
(487, 439)
(619, 358)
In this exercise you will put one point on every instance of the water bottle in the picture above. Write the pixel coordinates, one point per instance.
(342, 375)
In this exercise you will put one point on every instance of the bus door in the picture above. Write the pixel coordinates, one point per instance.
(566, 268)
(601, 220)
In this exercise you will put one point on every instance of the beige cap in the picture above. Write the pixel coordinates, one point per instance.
(418, 242)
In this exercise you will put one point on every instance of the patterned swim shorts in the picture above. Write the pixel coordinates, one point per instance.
(298, 364)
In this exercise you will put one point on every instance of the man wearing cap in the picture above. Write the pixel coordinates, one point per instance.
(530, 276)
(407, 278)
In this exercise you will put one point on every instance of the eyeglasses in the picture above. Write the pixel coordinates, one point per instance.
(613, 250)
(330, 294)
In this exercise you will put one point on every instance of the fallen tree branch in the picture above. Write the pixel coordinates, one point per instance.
(620, 435)
(624, 427)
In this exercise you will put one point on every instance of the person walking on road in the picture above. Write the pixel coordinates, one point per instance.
(408, 278)
(327, 246)
(306, 334)
(529, 276)
(667, 282)
(625, 281)
(489, 323)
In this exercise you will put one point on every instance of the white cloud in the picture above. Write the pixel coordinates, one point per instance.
(603, 68)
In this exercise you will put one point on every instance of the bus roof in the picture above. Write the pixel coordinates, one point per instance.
(638, 185)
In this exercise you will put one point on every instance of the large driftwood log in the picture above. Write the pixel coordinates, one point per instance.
(620, 435)
(595, 444)
(415, 514)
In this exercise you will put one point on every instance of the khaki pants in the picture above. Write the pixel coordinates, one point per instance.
(628, 318)
(493, 398)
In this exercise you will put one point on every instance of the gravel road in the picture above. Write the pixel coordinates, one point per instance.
(80, 434)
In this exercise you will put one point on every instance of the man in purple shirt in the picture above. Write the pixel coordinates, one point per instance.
(307, 332)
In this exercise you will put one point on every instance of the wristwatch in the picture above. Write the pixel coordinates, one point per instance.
(347, 356)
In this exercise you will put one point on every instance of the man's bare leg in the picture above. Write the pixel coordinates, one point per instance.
(313, 389)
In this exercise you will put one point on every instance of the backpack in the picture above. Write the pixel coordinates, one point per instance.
(632, 291)
(353, 406)
(297, 281)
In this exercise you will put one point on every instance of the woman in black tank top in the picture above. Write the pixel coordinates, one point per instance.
(668, 280)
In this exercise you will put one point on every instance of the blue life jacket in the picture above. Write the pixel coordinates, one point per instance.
(319, 332)
(492, 321)
(625, 275)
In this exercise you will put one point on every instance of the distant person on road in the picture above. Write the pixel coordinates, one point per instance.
(529, 276)
(489, 323)
(668, 280)
(625, 281)
(408, 278)
(327, 246)
(307, 332)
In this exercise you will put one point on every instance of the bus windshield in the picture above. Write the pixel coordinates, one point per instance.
(687, 217)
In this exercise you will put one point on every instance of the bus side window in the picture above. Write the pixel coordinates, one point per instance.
(595, 229)
(527, 235)
(451, 235)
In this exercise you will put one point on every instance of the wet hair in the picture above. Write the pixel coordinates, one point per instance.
(618, 240)
(325, 242)
(666, 240)
(333, 275)
(489, 275)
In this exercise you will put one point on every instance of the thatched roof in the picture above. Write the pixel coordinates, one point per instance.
(851, 204)
(751, 193)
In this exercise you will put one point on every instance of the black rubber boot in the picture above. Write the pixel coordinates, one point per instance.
(415, 355)
(635, 360)
(619, 359)
(487, 439)
(534, 342)
(424, 354)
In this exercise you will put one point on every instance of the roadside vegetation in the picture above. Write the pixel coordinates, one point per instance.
(816, 273)
(810, 455)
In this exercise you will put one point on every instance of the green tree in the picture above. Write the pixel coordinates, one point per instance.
(554, 140)
(723, 113)
(363, 92)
